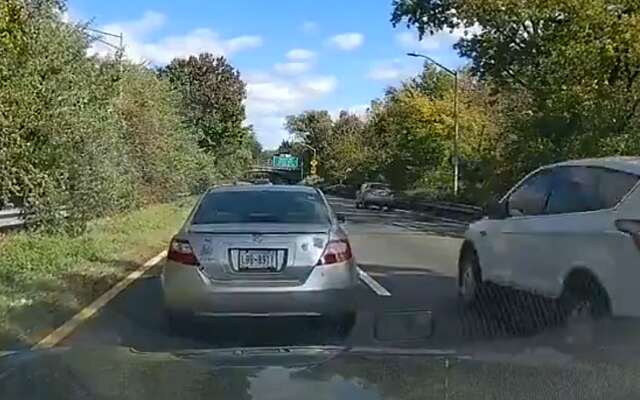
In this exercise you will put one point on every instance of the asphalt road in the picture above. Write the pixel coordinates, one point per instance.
(413, 257)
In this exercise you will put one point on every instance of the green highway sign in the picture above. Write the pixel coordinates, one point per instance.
(285, 161)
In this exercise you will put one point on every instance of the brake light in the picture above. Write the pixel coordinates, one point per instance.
(181, 251)
(337, 251)
(632, 227)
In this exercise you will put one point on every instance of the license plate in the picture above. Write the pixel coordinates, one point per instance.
(257, 259)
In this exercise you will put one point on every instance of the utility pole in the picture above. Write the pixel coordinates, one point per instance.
(456, 135)
(99, 37)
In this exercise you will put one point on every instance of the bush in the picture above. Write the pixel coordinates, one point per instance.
(84, 137)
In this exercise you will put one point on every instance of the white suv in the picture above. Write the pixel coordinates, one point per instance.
(569, 231)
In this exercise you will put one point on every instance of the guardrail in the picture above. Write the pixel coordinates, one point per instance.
(465, 212)
(11, 218)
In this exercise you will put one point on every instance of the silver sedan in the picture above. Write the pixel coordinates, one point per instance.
(260, 250)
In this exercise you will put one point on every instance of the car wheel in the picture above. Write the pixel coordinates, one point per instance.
(583, 302)
(469, 279)
(358, 205)
(583, 297)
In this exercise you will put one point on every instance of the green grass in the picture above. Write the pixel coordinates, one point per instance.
(45, 279)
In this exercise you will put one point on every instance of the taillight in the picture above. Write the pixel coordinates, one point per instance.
(337, 251)
(632, 227)
(181, 251)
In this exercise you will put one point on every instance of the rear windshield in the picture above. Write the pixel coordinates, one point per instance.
(268, 206)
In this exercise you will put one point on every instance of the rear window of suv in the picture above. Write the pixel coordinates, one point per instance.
(261, 206)
(577, 189)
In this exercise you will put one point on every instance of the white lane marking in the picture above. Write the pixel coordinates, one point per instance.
(68, 327)
(373, 284)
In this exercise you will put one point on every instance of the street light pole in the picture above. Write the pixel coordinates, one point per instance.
(456, 135)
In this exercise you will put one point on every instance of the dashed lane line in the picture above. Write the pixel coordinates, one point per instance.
(373, 284)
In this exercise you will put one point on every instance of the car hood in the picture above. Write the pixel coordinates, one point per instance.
(302, 373)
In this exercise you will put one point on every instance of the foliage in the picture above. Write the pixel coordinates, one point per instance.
(406, 138)
(60, 147)
(82, 137)
(212, 100)
(165, 158)
(566, 71)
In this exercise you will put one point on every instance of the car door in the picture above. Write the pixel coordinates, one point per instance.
(574, 230)
(518, 246)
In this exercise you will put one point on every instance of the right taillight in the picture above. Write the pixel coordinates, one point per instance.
(632, 227)
(181, 252)
(337, 251)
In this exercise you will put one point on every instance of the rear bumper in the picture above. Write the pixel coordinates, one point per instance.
(187, 290)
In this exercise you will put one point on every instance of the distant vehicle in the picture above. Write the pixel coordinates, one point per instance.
(569, 231)
(374, 194)
(262, 181)
(260, 251)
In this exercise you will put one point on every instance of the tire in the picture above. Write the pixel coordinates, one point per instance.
(584, 298)
(358, 205)
(469, 278)
(583, 302)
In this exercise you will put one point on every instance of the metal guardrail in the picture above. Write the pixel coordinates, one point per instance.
(11, 218)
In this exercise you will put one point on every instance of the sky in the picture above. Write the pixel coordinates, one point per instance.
(294, 55)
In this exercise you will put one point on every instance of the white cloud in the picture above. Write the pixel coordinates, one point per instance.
(347, 41)
(139, 47)
(444, 39)
(359, 109)
(392, 70)
(270, 99)
(292, 68)
(300, 54)
(309, 27)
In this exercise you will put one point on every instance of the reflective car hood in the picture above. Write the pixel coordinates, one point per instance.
(300, 373)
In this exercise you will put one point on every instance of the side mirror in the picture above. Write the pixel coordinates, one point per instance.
(341, 218)
(496, 210)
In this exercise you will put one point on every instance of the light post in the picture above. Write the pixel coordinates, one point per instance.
(456, 160)
(120, 48)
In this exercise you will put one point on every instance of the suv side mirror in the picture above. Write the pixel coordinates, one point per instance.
(496, 210)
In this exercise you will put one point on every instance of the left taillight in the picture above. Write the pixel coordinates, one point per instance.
(337, 251)
(181, 252)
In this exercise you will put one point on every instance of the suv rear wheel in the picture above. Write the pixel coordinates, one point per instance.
(469, 278)
(584, 297)
(582, 302)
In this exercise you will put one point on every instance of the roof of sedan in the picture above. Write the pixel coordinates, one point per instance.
(626, 164)
(267, 187)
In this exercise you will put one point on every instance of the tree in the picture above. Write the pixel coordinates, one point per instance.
(313, 127)
(347, 155)
(574, 66)
(212, 100)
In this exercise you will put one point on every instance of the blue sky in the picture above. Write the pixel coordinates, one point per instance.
(294, 55)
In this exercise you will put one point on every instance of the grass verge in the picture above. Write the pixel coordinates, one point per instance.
(45, 279)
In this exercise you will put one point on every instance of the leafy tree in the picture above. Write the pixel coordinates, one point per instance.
(166, 158)
(212, 100)
(314, 129)
(573, 66)
(346, 161)
(60, 145)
